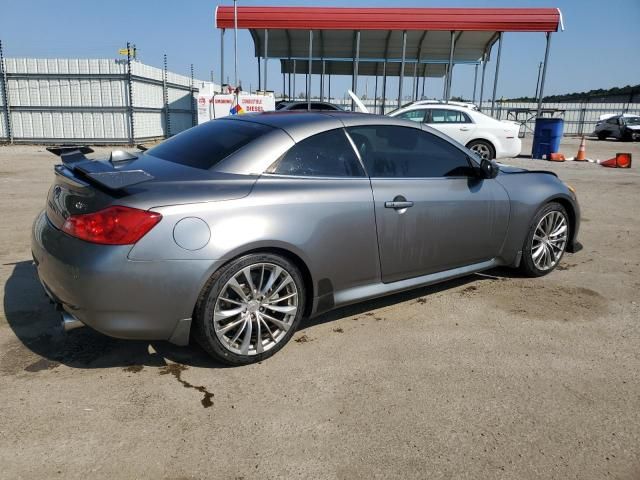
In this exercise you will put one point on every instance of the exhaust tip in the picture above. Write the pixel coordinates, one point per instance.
(69, 322)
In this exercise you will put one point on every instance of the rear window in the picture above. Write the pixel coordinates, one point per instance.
(208, 144)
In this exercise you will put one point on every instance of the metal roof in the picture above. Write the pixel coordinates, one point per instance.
(342, 67)
(443, 19)
(428, 30)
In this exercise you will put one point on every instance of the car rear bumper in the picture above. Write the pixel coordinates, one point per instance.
(509, 148)
(102, 288)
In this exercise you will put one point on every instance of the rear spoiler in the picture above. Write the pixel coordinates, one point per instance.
(102, 173)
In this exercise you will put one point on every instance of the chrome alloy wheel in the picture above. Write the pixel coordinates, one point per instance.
(549, 240)
(255, 309)
(483, 151)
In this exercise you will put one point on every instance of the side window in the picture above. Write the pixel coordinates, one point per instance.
(441, 115)
(405, 152)
(613, 121)
(327, 154)
(413, 115)
(299, 106)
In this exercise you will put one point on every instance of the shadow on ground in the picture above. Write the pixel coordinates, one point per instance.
(36, 324)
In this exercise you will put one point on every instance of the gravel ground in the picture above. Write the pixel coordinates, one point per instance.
(490, 376)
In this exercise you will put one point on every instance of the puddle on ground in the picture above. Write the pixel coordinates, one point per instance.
(176, 370)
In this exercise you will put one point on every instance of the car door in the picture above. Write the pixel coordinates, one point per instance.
(454, 123)
(613, 127)
(433, 212)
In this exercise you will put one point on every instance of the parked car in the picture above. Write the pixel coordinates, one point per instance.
(236, 229)
(622, 127)
(285, 106)
(488, 137)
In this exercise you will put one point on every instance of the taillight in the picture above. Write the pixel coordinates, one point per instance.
(115, 225)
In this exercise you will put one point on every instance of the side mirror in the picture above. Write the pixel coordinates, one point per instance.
(489, 169)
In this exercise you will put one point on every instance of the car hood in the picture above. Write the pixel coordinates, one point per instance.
(509, 170)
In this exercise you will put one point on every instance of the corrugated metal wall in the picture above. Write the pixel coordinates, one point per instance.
(579, 118)
(68, 100)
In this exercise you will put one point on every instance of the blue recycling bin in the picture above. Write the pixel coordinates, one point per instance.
(546, 136)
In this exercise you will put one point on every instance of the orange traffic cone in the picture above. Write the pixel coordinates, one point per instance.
(557, 157)
(581, 157)
(621, 160)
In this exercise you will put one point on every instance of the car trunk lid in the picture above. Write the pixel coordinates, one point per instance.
(142, 181)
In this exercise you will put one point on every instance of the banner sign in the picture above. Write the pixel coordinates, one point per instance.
(219, 105)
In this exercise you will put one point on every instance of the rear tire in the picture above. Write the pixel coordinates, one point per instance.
(250, 309)
(546, 240)
(483, 149)
(602, 135)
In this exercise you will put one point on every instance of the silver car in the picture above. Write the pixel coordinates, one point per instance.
(233, 231)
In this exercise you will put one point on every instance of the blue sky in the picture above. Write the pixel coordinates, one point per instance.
(598, 49)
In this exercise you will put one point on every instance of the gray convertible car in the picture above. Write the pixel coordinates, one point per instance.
(233, 231)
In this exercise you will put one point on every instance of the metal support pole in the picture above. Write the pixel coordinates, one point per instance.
(130, 96)
(544, 74)
(414, 89)
(194, 120)
(475, 83)
(404, 52)
(289, 95)
(424, 79)
(329, 85)
(538, 80)
(235, 43)
(484, 68)
(495, 77)
(284, 85)
(5, 96)
(221, 59)
(446, 82)
(450, 67)
(383, 101)
(266, 56)
(322, 73)
(165, 100)
(356, 60)
(294, 78)
(375, 90)
(322, 82)
(309, 74)
(259, 74)
(416, 81)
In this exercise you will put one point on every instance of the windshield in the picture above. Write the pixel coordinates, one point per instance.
(209, 143)
(632, 120)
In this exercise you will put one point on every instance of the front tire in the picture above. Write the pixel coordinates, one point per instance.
(483, 149)
(250, 308)
(546, 240)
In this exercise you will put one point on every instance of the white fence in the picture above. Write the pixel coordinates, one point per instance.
(92, 101)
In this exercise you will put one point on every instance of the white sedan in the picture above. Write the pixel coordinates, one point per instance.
(488, 137)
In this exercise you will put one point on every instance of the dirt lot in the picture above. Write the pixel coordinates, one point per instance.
(491, 376)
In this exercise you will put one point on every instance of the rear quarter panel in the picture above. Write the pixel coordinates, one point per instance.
(328, 223)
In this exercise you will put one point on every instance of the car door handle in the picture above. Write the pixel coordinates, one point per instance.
(398, 205)
(464, 129)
